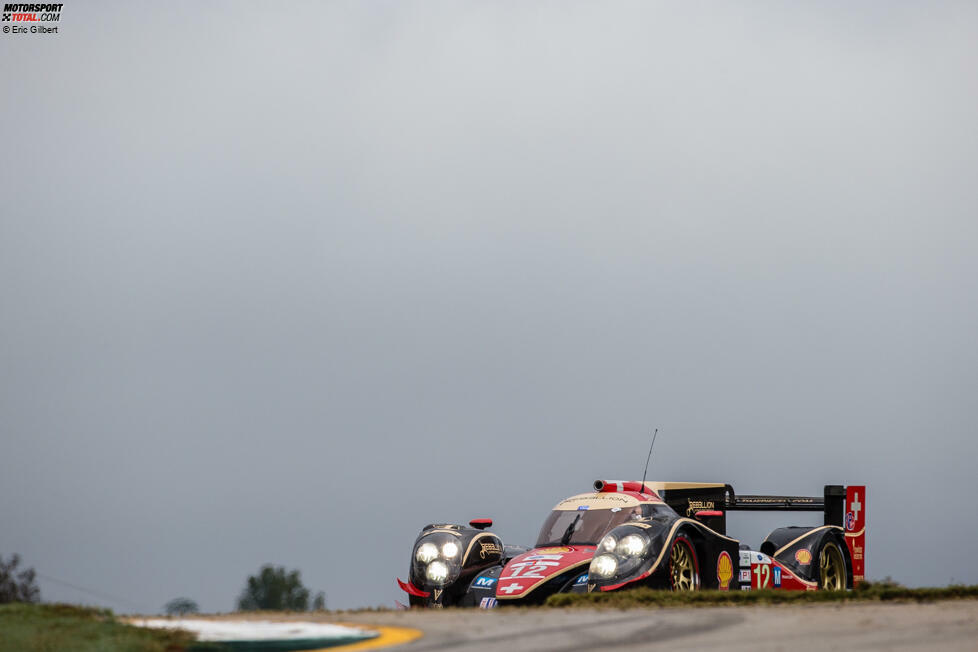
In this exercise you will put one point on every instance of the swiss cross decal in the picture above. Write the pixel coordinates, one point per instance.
(852, 516)
(511, 587)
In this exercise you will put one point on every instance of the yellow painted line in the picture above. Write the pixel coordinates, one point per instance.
(389, 636)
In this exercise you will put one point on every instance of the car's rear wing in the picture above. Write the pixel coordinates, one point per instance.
(836, 503)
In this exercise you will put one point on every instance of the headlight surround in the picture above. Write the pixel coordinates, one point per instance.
(619, 555)
(437, 559)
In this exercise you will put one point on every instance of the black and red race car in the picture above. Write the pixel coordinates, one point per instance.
(665, 535)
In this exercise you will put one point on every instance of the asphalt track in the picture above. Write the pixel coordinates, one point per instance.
(951, 625)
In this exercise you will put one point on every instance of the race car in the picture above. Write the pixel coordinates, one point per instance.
(624, 534)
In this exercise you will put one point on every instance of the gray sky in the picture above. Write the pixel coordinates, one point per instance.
(284, 285)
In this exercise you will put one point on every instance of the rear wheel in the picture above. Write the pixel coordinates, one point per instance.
(684, 573)
(831, 568)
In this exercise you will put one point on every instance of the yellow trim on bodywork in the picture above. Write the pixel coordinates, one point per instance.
(672, 486)
(389, 636)
(662, 551)
(807, 534)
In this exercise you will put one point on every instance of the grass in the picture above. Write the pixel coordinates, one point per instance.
(886, 591)
(62, 627)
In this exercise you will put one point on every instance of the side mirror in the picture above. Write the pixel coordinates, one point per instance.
(481, 523)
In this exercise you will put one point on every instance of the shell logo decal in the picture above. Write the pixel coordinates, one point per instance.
(803, 557)
(559, 550)
(724, 570)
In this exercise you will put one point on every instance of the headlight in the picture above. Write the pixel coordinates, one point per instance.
(603, 566)
(427, 552)
(437, 571)
(608, 543)
(632, 545)
(450, 550)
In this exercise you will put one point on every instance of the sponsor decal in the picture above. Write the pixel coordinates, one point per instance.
(745, 587)
(777, 577)
(856, 530)
(602, 500)
(558, 550)
(581, 508)
(697, 505)
(759, 558)
(485, 582)
(763, 572)
(745, 575)
(438, 593)
(803, 557)
(745, 557)
(515, 586)
(590, 587)
(490, 548)
(488, 603)
(616, 509)
(855, 507)
(724, 570)
(581, 580)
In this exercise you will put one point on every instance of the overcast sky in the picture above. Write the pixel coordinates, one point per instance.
(284, 284)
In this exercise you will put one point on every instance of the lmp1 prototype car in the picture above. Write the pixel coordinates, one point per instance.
(664, 535)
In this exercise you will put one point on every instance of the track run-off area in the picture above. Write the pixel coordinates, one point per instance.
(945, 625)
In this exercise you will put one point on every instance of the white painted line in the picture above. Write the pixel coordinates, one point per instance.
(255, 630)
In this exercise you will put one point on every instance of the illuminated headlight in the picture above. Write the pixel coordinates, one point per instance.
(427, 551)
(437, 571)
(608, 543)
(632, 545)
(603, 566)
(450, 550)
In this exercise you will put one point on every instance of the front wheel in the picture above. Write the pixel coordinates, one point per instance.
(684, 572)
(831, 568)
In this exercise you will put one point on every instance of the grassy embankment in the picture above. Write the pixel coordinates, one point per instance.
(868, 592)
(63, 627)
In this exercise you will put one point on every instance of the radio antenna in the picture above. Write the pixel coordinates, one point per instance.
(644, 473)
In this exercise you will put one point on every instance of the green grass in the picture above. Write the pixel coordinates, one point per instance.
(868, 592)
(63, 628)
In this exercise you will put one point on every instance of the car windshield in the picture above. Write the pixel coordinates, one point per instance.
(584, 527)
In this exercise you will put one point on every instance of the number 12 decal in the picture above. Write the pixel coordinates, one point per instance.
(763, 574)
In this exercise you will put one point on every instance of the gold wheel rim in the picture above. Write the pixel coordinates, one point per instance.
(681, 567)
(832, 569)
